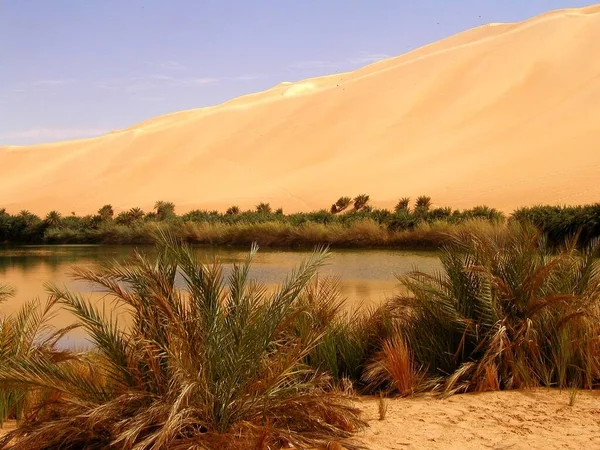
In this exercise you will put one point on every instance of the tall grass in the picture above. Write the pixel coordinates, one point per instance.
(211, 366)
(504, 312)
(341, 351)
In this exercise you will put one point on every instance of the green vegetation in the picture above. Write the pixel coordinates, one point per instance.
(214, 365)
(561, 222)
(506, 311)
(222, 362)
(362, 225)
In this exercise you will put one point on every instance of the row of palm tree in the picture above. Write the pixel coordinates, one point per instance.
(360, 202)
(423, 203)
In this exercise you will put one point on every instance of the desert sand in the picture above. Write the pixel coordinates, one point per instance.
(539, 419)
(504, 115)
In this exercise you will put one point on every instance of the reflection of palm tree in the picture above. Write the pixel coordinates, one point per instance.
(5, 292)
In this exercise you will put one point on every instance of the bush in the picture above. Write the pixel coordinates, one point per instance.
(562, 222)
(212, 366)
(505, 312)
(341, 352)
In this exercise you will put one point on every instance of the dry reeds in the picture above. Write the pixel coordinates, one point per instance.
(505, 312)
(212, 366)
(395, 365)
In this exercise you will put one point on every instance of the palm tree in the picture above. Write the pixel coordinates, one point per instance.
(123, 218)
(53, 218)
(360, 201)
(106, 213)
(136, 214)
(28, 217)
(209, 366)
(164, 210)
(402, 205)
(423, 203)
(263, 208)
(341, 204)
(233, 211)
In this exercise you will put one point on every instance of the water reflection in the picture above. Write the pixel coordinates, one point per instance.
(367, 276)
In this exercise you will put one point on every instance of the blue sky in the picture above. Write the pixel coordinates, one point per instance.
(76, 68)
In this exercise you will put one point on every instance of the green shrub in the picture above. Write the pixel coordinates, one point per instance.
(504, 312)
(210, 366)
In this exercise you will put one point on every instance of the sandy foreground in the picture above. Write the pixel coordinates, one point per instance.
(504, 115)
(539, 419)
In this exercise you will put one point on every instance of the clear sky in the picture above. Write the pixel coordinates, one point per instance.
(75, 68)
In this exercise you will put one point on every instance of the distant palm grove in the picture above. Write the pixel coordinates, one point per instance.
(350, 222)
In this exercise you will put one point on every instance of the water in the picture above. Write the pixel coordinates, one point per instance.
(367, 276)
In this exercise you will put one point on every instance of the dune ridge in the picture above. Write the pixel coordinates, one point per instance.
(503, 115)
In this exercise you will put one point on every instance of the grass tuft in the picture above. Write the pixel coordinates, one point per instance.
(382, 407)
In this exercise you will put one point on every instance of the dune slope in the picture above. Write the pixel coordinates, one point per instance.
(504, 115)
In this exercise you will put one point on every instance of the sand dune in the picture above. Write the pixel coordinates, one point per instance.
(504, 114)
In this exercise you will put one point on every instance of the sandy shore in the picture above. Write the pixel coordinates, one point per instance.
(539, 419)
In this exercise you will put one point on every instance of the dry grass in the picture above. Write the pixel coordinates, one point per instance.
(382, 407)
(362, 232)
(395, 365)
(505, 312)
